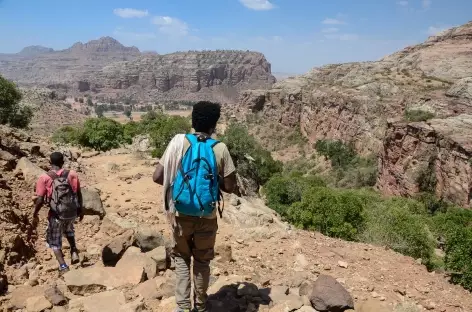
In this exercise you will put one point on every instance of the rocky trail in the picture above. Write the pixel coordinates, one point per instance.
(262, 264)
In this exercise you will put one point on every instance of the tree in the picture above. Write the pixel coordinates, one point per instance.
(127, 113)
(10, 110)
(99, 111)
(89, 102)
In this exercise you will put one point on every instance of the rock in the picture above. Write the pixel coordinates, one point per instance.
(306, 288)
(55, 296)
(90, 154)
(148, 290)
(141, 143)
(114, 250)
(223, 253)
(19, 294)
(30, 171)
(58, 309)
(372, 306)
(289, 305)
(343, 264)
(329, 295)
(3, 284)
(134, 258)
(92, 203)
(109, 301)
(37, 304)
(159, 255)
(148, 238)
(306, 309)
(98, 279)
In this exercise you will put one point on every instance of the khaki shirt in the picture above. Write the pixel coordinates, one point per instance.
(223, 160)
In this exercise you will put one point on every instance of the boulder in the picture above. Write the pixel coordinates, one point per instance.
(19, 294)
(37, 304)
(114, 250)
(134, 258)
(141, 143)
(109, 301)
(55, 296)
(159, 255)
(160, 287)
(97, 279)
(330, 296)
(92, 203)
(148, 239)
(30, 171)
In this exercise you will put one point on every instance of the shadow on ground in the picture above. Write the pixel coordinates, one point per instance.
(239, 297)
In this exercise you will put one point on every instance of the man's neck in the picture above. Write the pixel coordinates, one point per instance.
(55, 168)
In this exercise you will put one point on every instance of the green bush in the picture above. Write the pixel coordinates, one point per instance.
(67, 135)
(101, 134)
(336, 213)
(250, 158)
(281, 191)
(10, 110)
(416, 115)
(399, 224)
(162, 129)
(458, 257)
(340, 154)
(130, 130)
(444, 225)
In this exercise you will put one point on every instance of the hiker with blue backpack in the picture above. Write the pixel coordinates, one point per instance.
(194, 170)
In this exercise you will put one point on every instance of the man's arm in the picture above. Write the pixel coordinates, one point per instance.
(158, 176)
(39, 202)
(41, 192)
(229, 183)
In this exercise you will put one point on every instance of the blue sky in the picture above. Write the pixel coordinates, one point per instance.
(295, 35)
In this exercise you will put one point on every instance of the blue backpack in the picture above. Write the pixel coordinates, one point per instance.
(196, 190)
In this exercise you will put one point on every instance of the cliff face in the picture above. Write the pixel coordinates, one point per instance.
(189, 71)
(352, 102)
(439, 151)
(108, 68)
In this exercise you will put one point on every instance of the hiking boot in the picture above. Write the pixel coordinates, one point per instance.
(74, 257)
(63, 268)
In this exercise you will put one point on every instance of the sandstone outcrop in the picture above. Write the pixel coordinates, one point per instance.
(441, 149)
(353, 102)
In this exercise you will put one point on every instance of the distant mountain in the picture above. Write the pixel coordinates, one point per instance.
(35, 50)
(107, 67)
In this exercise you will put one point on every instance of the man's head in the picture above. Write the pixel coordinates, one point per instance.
(57, 159)
(205, 115)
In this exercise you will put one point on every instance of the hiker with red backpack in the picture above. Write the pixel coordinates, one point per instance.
(194, 169)
(60, 190)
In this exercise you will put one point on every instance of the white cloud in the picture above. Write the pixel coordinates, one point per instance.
(403, 3)
(171, 26)
(333, 21)
(130, 13)
(427, 4)
(258, 5)
(330, 30)
(434, 30)
(342, 37)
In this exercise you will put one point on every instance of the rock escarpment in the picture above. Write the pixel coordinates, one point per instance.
(106, 67)
(352, 102)
(439, 151)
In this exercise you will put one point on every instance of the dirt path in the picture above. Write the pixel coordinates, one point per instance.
(252, 246)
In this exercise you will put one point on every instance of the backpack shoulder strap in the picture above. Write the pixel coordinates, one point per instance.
(52, 174)
(65, 173)
(192, 138)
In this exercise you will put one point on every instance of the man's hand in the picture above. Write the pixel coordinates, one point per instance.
(81, 217)
(35, 220)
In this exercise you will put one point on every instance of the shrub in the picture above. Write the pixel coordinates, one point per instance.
(101, 134)
(281, 191)
(444, 225)
(396, 224)
(89, 102)
(458, 257)
(10, 110)
(22, 117)
(162, 128)
(416, 115)
(130, 130)
(99, 110)
(336, 213)
(250, 158)
(67, 135)
(340, 154)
